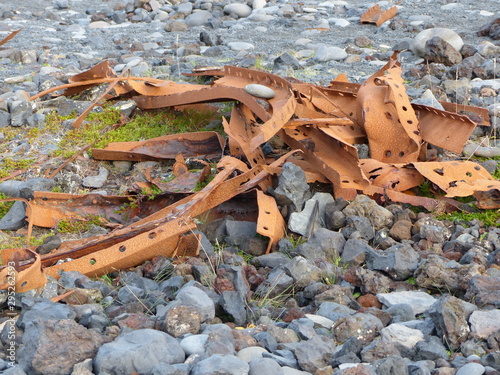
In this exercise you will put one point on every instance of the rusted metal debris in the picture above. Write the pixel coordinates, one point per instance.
(378, 16)
(324, 123)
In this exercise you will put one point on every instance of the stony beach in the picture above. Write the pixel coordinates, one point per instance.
(372, 290)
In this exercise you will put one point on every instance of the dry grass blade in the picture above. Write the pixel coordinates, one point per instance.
(9, 37)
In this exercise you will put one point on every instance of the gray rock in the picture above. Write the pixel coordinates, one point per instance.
(45, 310)
(181, 320)
(483, 290)
(271, 260)
(471, 369)
(349, 352)
(450, 315)
(96, 181)
(491, 360)
(365, 327)
(302, 271)
(233, 304)
(185, 8)
(323, 244)
(259, 91)
(46, 344)
(238, 9)
(220, 341)
(399, 261)
(285, 61)
(378, 349)
(283, 357)
(194, 344)
(138, 351)
(267, 340)
(334, 311)
(315, 353)
(198, 299)
(277, 283)
(221, 364)
(329, 53)
(251, 353)
(484, 323)
(448, 35)
(16, 370)
(354, 252)
(439, 51)
(437, 272)
(15, 218)
(303, 327)
(260, 366)
(401, 312)
(360, 226)
(239, 231)
(20, 110)
(199, 18)
(292, 187)
(430, 349)
(394, 365)
(419, 301)
(402, 337)
(362, 205)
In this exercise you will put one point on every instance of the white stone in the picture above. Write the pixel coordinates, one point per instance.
(320, 320)
(309, 10)
(448, 35)
(399, 334)
(485, 13)
(419, 301)
(259, 4)
(198, 18)
(241, 10)
(240, 46)
(251, 353)
(328, 53)
(98, 25)
(484, 323)
(259, 91)
(451, 6)
(194, 344)
(477, 83)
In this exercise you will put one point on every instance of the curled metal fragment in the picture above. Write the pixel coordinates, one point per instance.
(378, 16)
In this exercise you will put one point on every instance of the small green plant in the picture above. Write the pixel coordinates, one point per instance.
(152, 192)
(7, 166)
(78, 226)
(490, 218)
(4, 206)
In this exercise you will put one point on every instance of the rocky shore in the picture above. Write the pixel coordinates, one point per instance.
(371, 290)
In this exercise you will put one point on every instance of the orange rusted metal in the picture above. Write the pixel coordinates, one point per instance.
(9, 37)
(197, 144)
(270, 223)
(378, 16)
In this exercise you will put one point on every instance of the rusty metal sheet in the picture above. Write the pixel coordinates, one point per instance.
(398, 177)
(336, 160)
(378, 16)
(185, 181)
(24, 280)
(458, 178)
(388, 118)
(48, 208)
(209, 144)
(444, 129)
(270, 223)
(478, 115)
(9, 37)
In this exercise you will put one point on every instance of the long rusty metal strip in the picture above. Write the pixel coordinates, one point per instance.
(162, 240)
(378, 16)
(48, 208)
(444, 129)
(478, 115)
(209, 144)
(389, 120)
(203, 95)
(9, 37)
(270, 223)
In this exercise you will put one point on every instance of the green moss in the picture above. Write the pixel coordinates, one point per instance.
(488, 217)
(4, 206)
(15, 242)
(7, 166)
(78, 226)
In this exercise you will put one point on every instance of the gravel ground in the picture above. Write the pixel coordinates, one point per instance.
(379, 290)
